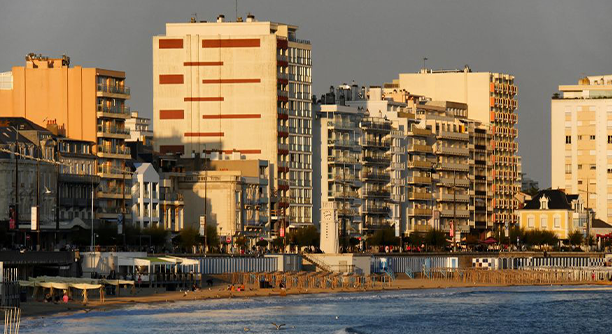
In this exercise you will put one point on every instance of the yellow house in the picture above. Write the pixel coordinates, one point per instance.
(554, 210)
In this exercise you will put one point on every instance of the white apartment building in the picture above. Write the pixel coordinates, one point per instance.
(581, 142)
(145, 196)
(139, 129)
(239, 87)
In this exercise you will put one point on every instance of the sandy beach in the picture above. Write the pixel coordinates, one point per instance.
(219, 290)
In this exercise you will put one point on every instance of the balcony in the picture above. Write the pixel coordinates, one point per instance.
(459, 213)
(113, 152)
(114, 112)
(452, 166)
(419, 212)
(113, 172)
(420, 164)
(113, 132)
(375, 209)
(374, 143)
(342, 125)
(122, 92)
(377, 159)
(419, 180)
(342, 143)
(342, 160)
(114, 192)
(448, 150)
(345, 194)
(419, 196)
(449, 182)
(444, 197)
(171, 198)
(396, 166)
(79, 178)
(375, 193)
(283, 148)
(384, 177)
(420, 148)
(416, 132)
(454, 135)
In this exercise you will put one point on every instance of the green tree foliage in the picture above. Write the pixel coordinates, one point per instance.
(576, 238)
(384, 237)
(416, 239)
(212, 238)
(436, 238)
(308, 236)
(539, 238)
(262, 243)
(107, 235)
(278, 242)
(188, 237)
(158, 235)
(241, 241)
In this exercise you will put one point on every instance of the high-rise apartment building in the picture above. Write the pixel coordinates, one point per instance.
(87, 104)
(581, 142)
(239, 87)
(337, 152)
(491, 100)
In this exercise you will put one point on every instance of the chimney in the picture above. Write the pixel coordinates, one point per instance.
(221, 18)
(250, 18)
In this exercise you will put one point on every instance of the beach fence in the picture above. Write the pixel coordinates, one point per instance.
(407, 264)
(494, 263)
(269, 263)
(9, 299)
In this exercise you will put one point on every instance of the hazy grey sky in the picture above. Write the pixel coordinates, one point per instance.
(543, 43)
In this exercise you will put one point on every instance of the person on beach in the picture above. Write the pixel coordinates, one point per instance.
(65, 298)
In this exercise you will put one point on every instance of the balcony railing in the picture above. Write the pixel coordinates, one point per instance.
(113, 150)
(113, 130)
(463, 151)
(419, 196)
(124, 111)
(454, 135)
(125, 90)
(420, 148)
(112, 170)
(419, 212)
(420, 164)
(454, 166)
(419, 180)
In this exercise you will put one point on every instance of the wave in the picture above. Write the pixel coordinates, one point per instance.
(348, 330)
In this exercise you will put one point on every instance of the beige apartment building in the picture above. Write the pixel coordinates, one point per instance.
(239, 87)
(581, 142)
(86, 104)
(490, 98)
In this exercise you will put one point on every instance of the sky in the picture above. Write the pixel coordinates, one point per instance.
(543, 43)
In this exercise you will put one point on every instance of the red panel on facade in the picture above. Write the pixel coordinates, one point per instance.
(230, 43)
(165, 149)
(204, 134)
(170, 43)
(231, 116)
(171, 114)
(230, 81)
(203, 99)
(282, 44)
(170, 79)
(203, 63)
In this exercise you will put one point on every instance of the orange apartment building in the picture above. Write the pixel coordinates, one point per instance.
(87, 104)
(241, 89)
(491, 100)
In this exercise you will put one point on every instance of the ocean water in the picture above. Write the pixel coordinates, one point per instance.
(567, 309)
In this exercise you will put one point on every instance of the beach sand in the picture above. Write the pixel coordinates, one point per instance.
(151, 295)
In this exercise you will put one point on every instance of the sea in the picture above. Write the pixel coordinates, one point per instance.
(551, 309)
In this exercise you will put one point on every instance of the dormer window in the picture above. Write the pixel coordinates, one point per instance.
(543, 203)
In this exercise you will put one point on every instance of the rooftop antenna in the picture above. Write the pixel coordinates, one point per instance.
(424, 60)
(196, 16)
(236, 10)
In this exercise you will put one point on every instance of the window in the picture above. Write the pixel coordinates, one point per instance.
(531, 222)
(543, 222)
(609, 139)
(557, 222)
(568, 139)
(609, 170)
(579, 182)
(568, 169)
(579, 167)
(592, 137)
(579, 137)
(592, 167)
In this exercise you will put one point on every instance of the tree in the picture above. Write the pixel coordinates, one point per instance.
(241, 242)
(416, 239)
(212, 238)
(262, 243)
(576, 238)
(278, 242)
(158, 235)
(436, 238)
(384, 237)
(188, 238)
(306, 237)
